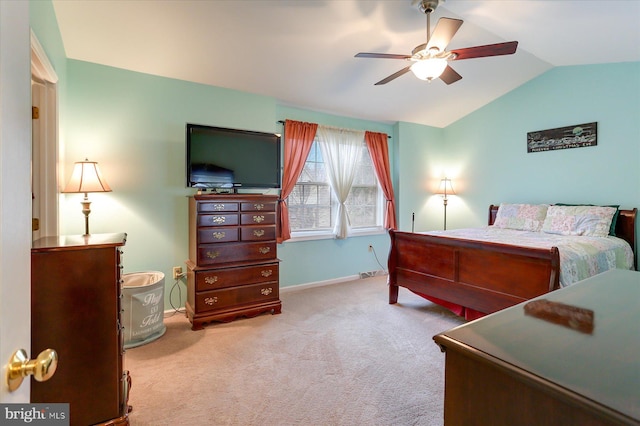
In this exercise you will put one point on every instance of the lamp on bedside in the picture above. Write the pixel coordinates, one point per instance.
(86, 177)
(444, 190)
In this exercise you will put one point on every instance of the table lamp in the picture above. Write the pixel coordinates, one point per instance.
(444, 190)
(86, 177)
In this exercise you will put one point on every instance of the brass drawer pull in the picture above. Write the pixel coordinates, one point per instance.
(258, 206)
(266, 291)
(211, 300)
(218, 207)
(258, 219)
(258, 232)
(266, 272)
(264, 250)
(218, 235)
(218, 219)
(213, 254)
(211, 280)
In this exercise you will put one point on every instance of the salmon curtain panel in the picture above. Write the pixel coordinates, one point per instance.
(298, 138)
(379, 150)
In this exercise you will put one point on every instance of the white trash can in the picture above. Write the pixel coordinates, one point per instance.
(143, 307)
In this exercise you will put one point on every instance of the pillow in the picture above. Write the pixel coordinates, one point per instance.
(522, 217)
(593, 221)
(614, 221)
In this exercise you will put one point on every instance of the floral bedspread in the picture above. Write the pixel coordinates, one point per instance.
(580, 256)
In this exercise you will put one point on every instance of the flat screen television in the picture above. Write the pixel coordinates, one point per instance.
(229, 158)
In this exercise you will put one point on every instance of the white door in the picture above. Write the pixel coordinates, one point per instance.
(15, 188)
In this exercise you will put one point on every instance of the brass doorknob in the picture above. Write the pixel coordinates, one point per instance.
(20, 366)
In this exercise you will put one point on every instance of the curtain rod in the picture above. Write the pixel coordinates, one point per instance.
(282, 122)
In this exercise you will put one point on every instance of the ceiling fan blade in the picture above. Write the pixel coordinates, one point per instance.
(394, 76)
(497, 49)
(382, 55)
(449, 75)
(443, 33)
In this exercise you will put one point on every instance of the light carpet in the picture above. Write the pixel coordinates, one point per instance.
(337, 355)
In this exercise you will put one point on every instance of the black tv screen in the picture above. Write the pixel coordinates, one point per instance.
(231, 158)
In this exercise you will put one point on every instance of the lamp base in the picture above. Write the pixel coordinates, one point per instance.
(86, 209)
(445, 213)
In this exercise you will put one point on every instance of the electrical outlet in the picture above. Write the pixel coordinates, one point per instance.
(177, 272)
(370, 247)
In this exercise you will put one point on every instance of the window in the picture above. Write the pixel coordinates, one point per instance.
(313, 207)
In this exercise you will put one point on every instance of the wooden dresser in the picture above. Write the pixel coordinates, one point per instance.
(569, 357)
(75, 310)
(232, 269)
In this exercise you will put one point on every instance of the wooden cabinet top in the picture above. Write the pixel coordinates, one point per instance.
(233, 197)
(75, 242)
(584, 338)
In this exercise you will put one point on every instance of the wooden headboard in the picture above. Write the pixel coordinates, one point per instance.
(625, 226)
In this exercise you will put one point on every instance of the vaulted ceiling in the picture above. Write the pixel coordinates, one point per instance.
(301, 52)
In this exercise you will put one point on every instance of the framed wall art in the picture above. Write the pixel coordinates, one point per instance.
(577, 136)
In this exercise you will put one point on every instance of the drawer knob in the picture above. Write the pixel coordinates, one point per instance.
(258, 219)
(219, 235)
(218, 207)
(211, 300)
(218, 219)
(264, 250)
(266, 273)
(258, 206)
(266, 291)
(258, 232)
(211, 279)
(213, 254)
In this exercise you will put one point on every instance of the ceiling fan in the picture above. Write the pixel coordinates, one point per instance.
(430, 60)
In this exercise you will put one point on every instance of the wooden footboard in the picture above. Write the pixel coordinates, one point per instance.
(482, 276)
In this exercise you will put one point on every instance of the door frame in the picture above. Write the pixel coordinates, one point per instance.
(45, 153)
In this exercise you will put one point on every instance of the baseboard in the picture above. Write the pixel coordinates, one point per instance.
(327, 282)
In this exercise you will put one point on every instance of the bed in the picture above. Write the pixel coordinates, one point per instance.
(473, 278)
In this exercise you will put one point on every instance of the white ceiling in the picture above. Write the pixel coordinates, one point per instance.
(301, 52)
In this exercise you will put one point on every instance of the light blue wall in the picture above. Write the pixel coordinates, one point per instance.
(489, 146)
(420, 165)
(133, 124)
(44, 25)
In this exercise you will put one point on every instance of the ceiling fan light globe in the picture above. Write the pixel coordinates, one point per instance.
(428, 69)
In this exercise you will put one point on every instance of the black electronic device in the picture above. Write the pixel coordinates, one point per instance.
(221, 158)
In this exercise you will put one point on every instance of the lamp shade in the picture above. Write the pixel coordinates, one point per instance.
(428, 69)
(446, 188)
(86, 177)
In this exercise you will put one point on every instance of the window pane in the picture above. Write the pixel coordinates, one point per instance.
(362, 206)
(312, 206)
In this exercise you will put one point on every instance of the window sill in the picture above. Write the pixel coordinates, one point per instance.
(324, 235)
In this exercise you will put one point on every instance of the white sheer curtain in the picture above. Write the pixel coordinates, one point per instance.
(341, 149)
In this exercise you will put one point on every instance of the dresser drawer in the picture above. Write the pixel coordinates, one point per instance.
(212, 254)
(218, 235)
(257, 233)
(221, 278)
(217, 207)
(236, 296)
(258, 207)
(217, 219)
(258, 218)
